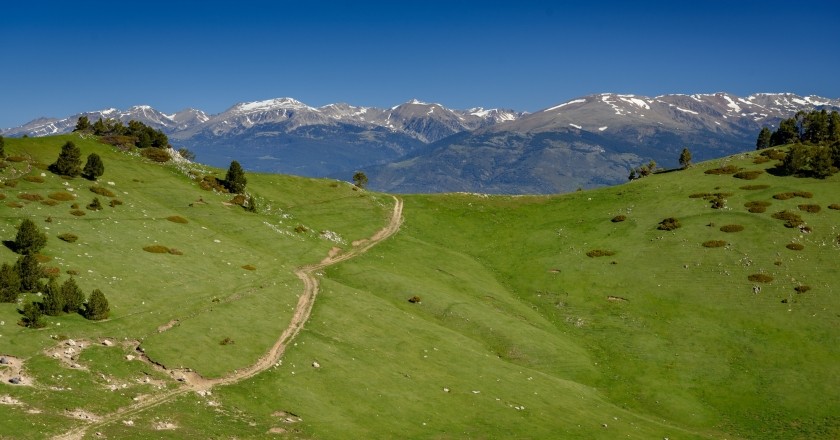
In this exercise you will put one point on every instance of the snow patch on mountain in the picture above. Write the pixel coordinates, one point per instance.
(574, 101)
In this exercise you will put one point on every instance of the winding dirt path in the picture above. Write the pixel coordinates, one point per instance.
(272, 357)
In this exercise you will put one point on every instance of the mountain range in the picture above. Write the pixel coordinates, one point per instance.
(425, 147)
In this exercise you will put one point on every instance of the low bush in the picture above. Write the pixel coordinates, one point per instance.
(68, 237)
(14, 205)
(155, 154)
(95, 205)
(115, 202)
(783, 196)
(50, 202)
(600, 253)
(227, 341)
(728, 169)
(748, 175)
(34, 179)
(414, 299)
(74, 206)
(700, 195)
(16, 159)
(211, 183)
(731, 228)
(618, 218)
(761, 159)
(773, 154)
(11, 183)
(757, 206)
(669, 224)
(30, 196)
(760, 278)
(834, 206)
(754, 187)
(803, 194)
(61, 196)
(714, 243)
(795, 246)
(156, 249)
(249, 267)
(802, 288)
(301, 229)
(791, 219)
(238, 199)
(177, 219)
(810, 208)
(77, 212)
(102, 191)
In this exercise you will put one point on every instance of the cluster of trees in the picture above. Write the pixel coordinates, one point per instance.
(643, 171)
(816, 127)
(27, 275)
(816, 139)
(69, 163)
(2, 148)
(136, 132)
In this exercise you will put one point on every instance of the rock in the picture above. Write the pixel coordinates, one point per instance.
(315, 364)
(14, 380)
(129, 357)
(107, 343)
(4, 361)
(71, 342)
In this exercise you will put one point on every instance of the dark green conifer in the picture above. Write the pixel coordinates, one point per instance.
(69, 162)
(97, 306)
(93, 167)
(29, 239)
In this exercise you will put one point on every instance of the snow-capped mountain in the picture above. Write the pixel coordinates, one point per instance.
(142, 113)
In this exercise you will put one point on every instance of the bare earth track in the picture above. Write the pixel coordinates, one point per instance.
(193, 383)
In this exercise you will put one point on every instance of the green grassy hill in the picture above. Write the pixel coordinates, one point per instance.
(518, 333)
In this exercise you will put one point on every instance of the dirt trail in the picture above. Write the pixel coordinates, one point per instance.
(272, 357)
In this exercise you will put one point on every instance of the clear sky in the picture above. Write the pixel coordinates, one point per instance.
(64, 57)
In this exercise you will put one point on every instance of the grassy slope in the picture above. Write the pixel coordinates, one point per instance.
(515, 335)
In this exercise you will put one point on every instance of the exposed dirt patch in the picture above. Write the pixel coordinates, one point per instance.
(11, 371)
(616, 298)
(165, 426)
(67, 352)
(168, 326)
(9, 400)
(81, 414)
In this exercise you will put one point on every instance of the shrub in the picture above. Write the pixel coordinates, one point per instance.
(783, 196)
(803, 194)
(301, 229)
(760, 278)
(155, 154)
(115, 202)
(834, 206)
(227, 341)
(795, 246)
(11, 183)
(414, 299)
(238, 199)
(74, 206)
(754, 187)
(669, 224)
(68, 237)
(810, 208)
(102, 191)
(156, 249)
(34, 179)
(77, 213)
(774, 154)
(757, 206)
(177, 219)
(95, 205)
(700, 195)
(173, 251)
(731, 228)
(599, 253)
(49, 202)
(728, 169)
(714, 243)
(249, 267)
(802, 288)
(14, 204)
(212, 183)
(16, 159)
(31, 197)
(619, 218)
(791, 219)
(748, 175)
(61, 196)
(761, 159)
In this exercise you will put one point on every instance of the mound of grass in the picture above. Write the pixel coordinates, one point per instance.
(669, 224)
(795, 246)
(619, 218)
(68, 237)
(30, 197)
(760, 278)
(728, 169)
(34, 179)
(600, 253)
(177, 219)
(62, 196)
(731, 228)
(16, 159)
(754, 187)
(102, 191)
(757, 206)
(810, 208)
(714, 243)
(11, 183)
(791, 219)
(748, 175)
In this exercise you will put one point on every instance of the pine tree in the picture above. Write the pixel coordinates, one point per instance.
(834, 127)
(821, 162)
(360, 179)
(93, 167)
(72, 296)
(9, 283)
(787, 133)
(52, 302)
(763, 140)
(69, 162)
(29, 239)
(96, 307)
(83, 124)
(235, 180)
(32, 315)
(2, 148)
(29, 270)
(685, 158)
(99, 127)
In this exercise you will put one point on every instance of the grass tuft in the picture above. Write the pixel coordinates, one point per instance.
(791, 219)
(31, 197)
(102, 191)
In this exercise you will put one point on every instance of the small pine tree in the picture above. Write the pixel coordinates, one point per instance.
(29, 239)
(96, 307)
(9, 283)
(83, 124)
(685, 158)
(252, 204)
(186, 154)
(72, 295)
(32, 315)
(360, 179)
(52, 302)
(69, 162)
(235, 180)
(763, 140)
(93, 167)
(95, 205)
(29, 271)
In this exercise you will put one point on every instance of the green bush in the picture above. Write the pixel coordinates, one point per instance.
(757, 206)
(599, 253)
(30, 197)
(61, 196)
(748, 175)
(301, 229)
(68, 237)
(618, 218)
(155, 154)
(728, 169)
(714, 243)
(95, 205)
(669, 224)
(754, 187)
(102, 191)
(795, 246)
(761, 159)
(810, 208)
(760, 278)
(34, 179)
(731, 228)
(773, 154)
(791, 219)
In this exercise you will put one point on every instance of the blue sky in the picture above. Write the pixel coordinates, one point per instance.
(60, 58)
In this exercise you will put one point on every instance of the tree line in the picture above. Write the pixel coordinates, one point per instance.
(815, 136)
